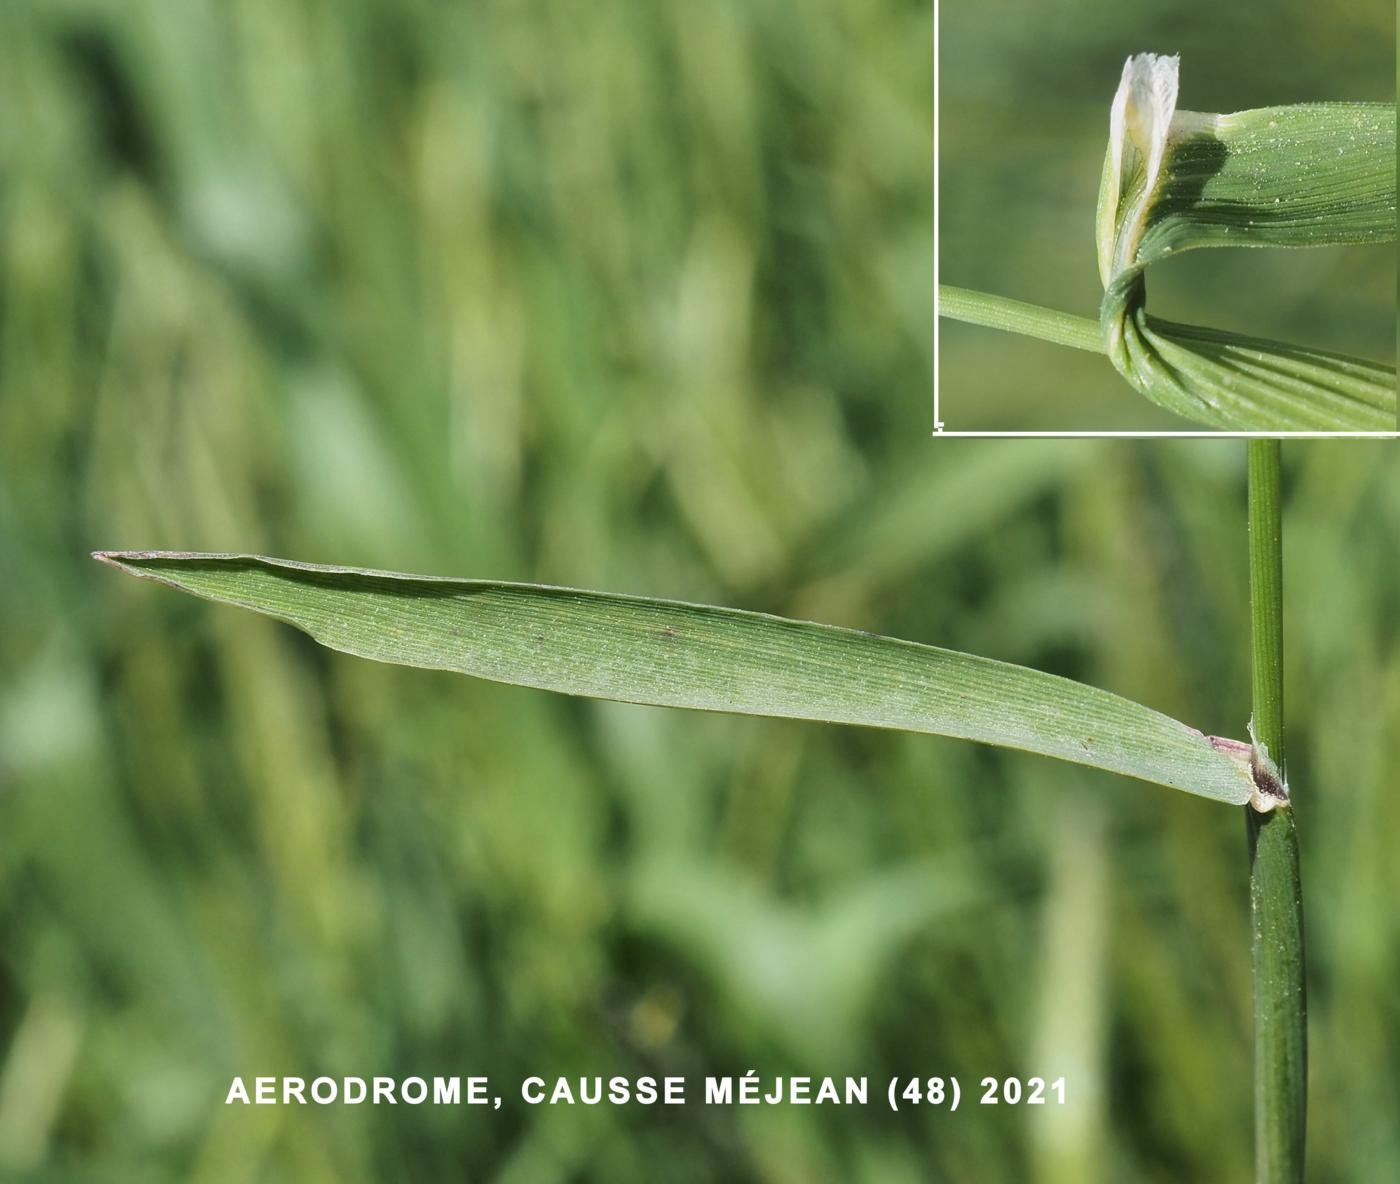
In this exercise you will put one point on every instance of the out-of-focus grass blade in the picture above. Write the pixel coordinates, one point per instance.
(715, 659)
(1313, 174)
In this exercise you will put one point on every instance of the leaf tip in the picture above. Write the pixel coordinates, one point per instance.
(134, 562)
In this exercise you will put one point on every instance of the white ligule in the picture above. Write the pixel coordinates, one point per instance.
(1143, 108)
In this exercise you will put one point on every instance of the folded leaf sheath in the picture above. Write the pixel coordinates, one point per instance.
(1305, 175)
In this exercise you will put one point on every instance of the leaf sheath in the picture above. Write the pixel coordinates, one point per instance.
(1275, 882)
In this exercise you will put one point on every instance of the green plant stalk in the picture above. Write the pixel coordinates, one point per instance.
(1017, 316)
(1275, 888)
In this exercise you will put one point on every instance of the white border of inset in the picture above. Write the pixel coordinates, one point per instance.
(941, 430)
(938, 427)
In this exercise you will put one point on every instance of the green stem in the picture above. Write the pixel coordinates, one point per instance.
(1016, 316)
(1275, 888)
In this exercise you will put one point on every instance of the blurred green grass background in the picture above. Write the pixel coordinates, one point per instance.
(1024, 93)
(631, 296)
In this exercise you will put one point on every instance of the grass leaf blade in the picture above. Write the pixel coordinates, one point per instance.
(668, 653)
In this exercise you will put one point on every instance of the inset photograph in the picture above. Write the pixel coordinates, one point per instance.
(1082, 166)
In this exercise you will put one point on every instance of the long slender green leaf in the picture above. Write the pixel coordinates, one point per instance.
(714, 659)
